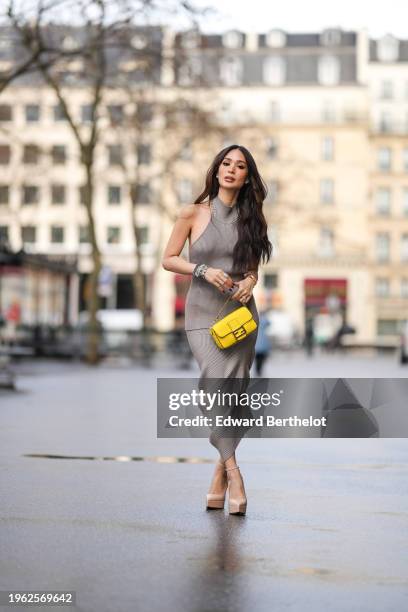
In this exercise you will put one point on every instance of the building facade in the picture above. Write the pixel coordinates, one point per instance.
(325, 117)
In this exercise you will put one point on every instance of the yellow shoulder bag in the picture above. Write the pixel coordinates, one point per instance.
(232, 328)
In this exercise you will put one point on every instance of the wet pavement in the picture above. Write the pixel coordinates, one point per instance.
(124, 523)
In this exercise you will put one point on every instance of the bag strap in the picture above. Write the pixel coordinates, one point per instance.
(222, 307)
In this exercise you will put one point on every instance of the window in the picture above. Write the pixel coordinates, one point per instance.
(6, 112)
(274, 111)
(326, 191)
(330, 37)
(272, 147)
(185, 191)
(86, 113)
(70, 43)
(183, 113)
(4, 234)
(58, 154)
(30, 194)
(59, 114)
(4, 194)
(328, 111)
(4, 154)
(144, 112)
(270, 281)
(190, 39)
(382, 247)
(58, 194)
(143, 152)
(382, 287)
(138, 41)
(84, 234)
(142, 193)
(326, 242)
(273, 188)
(273, 235)
(32, 113)
(115, 155)
(28, 234)
(387, 48)
(190, 71)
(385, 124)
(232, 39)
(383, 201)
(143, 234)
(275, 38)
(405, 159)
(82, 193)
(231, 71)
(404, 287)
(404, 248)
(113, 235)
(115, 112)
(387, 327)
(274, 70)
(186, 153)
(31, 154)
(328, 72)
(114, 194)
(384, 158)
(327, 148)
(405, 201)
(57, 234)
(386, 89)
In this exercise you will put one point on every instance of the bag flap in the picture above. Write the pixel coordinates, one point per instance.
(232, 321)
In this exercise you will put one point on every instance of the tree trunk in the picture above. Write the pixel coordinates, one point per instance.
(92, 298)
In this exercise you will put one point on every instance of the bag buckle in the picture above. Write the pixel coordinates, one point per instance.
(239, 332)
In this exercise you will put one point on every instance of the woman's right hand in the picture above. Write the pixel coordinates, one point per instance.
(219, 278)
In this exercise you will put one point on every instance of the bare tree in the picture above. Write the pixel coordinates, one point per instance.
(87, 55)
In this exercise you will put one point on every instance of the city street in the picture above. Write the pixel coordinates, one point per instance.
(93, 502)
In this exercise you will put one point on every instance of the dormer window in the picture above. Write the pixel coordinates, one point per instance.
(330, 37)
(138, 41)
(232, 39)
(275, 38)
(190, 39)
(69, 43)
(387, 48)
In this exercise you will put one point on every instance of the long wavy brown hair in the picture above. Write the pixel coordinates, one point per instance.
(253, 244)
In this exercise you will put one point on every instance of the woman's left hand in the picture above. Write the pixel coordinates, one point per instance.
(244, 292)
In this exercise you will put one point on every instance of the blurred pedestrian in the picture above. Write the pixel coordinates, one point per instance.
(263, 342)
(309, 336)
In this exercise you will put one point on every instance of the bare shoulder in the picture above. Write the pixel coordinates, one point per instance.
(188, 212)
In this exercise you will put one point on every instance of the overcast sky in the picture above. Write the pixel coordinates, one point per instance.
(379, 17)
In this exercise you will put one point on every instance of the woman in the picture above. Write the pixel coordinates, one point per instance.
(228, 239)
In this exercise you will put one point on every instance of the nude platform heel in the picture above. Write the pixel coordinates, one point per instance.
(215, 501)
(239, 505)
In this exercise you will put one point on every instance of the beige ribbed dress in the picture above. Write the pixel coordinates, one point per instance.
(214, 247)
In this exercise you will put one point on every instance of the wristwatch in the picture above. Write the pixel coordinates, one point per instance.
(250, 275)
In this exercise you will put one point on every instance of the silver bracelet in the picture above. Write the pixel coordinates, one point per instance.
(200, 270)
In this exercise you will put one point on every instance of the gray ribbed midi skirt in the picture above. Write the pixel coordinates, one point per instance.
(227, 371)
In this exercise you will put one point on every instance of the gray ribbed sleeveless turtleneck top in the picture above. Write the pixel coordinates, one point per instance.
(214, 247)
